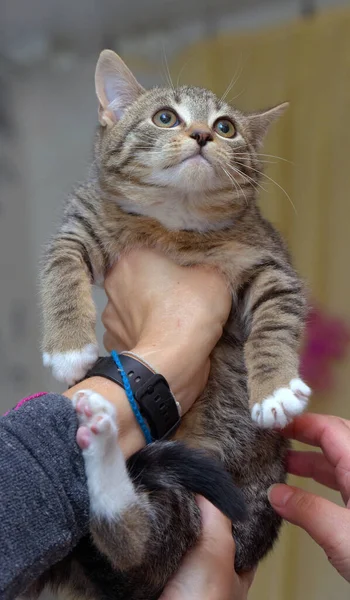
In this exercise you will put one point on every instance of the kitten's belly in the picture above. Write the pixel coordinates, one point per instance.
(223, 402)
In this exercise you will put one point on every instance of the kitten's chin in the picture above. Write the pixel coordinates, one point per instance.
(193, 174)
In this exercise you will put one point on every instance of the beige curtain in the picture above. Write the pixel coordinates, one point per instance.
(307, 63)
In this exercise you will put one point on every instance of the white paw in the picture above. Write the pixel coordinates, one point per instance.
(110, 488)
(95, 415)
(72, 366)
(279, 409)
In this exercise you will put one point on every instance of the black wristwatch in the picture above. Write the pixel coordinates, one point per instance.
(151, 391)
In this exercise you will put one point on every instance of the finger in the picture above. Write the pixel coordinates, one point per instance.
(332, 434)
(217, 538)
(306, 428)
(209, 565)
(313, 465)
(327, 523)
(216, 528)
(247, 579)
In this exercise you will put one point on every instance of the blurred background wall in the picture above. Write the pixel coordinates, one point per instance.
(283, 50)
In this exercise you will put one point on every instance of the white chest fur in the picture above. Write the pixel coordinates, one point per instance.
(177, 212)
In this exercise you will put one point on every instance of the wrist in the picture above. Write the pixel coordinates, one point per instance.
(164, 360)
(181, 362)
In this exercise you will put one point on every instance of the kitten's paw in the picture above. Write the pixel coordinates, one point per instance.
(97, 419)
(279, 409)
(71, 367)
(110, 488)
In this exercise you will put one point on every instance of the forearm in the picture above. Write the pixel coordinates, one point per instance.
(44, 503)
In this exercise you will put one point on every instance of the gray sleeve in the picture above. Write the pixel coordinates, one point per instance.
(44, 503)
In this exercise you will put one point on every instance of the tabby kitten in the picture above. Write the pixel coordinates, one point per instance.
(178, 170)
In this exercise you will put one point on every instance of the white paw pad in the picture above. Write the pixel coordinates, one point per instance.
(279, 409)
(72, 366)
(96, 416)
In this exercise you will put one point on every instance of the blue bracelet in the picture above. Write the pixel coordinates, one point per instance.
(130, 396)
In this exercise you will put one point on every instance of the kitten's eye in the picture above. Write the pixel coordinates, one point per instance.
(166, 118)
(225, 128)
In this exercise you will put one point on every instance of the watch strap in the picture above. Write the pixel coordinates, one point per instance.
(152, 393)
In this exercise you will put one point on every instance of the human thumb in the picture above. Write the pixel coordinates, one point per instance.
(327, 523)
(217, 529)
(209, 565)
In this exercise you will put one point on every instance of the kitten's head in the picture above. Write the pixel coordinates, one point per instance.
(185, 140)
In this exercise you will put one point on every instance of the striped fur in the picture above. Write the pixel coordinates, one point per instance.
(145, 191)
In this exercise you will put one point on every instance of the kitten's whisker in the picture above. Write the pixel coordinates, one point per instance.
(241, 146)
(252, 181)
(243, 192)
(283, 190)
(236, 96)
(278, 185)
(181, 71)
(268, 156)
(236, 184)
(229, 87)
(235, 78)
(249, 178)
(240, 155)
(278, 157)
(167, 71)
(151, 149)
(165, 153)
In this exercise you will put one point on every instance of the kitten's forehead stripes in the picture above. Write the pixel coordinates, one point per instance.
(200, 105)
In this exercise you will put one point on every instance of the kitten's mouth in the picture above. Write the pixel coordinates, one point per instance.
(196, 158)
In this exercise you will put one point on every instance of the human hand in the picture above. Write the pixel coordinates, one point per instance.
(327, 523)
(207, 572)
(169, 315)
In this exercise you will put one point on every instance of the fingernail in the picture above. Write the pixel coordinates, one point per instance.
(279, 494)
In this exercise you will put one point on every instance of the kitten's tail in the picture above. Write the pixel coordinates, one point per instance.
(165, 464)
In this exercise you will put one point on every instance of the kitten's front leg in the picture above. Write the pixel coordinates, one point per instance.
(275, 308)
(69, 341)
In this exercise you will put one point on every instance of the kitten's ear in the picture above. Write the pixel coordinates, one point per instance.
(116, 87)
(259, 123)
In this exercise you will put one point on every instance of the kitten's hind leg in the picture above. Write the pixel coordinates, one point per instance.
(145, 522)
(119, 516)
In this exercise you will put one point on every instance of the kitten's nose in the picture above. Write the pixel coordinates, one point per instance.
(201, 137)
